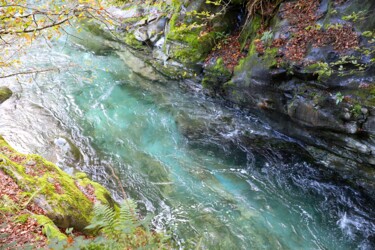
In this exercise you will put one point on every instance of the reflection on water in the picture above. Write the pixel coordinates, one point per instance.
(206, 172)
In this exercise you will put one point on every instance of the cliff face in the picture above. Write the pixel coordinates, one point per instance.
(314, 80)
(307, 67)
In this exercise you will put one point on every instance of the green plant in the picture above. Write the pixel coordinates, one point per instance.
(355, 16)
(349, 60)
(323, 70)
(339, 98)
(217, 2)
(117, 230)
(314, 27)
(335, 26)
(333, 12)
(356, 110)
(368, 34)
(267, 37)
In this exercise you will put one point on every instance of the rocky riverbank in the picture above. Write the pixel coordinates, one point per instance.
(39, 199)
(307, 67)
(43, 207)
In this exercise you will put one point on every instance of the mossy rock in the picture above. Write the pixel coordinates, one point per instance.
(130, 40)
(66, 200)
(5, 94)
(215, 75)
(49, 228)
(191, 39)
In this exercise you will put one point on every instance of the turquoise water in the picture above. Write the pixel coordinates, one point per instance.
(207, 172)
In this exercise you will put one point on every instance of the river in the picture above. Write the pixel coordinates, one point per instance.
(208, 173)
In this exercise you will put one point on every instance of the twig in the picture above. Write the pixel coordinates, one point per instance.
(30, 72)
(119, 182)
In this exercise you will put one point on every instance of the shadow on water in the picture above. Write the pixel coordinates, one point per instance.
(206, 171)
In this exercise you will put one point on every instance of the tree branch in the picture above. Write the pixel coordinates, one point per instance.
(30, 72)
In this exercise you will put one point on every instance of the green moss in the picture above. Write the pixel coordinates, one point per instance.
(49, 228)
(176, 4)
(269, 57)
(196, 41)
(252, 53)
(252, 59)
(134, 19)
(52, 188)
(365, 97)
(101, 193)
(80, 175)
(250, 31)
(194, 48)
(132, 41)
(216, 75)
(240, 64)
(173, 70)
(22, 218)
(7, 205)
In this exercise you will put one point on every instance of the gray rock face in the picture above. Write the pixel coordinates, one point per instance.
(151, 30)
(333, 116)
(67, 153)
(155, 30)
(139, 66)
(369, 125)
(141, 34)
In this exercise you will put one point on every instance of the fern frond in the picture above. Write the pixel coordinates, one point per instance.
(128, 211)
(127, 221)
(104, 217)
(122, 230)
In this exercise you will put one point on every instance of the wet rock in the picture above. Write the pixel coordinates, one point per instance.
(159, 55)
(160, 43)
(351, 127)
(323, 8)
(123, 13)
(5, 94)
(346, 116)
(279, 74)
(216, 74)
(304, 104)
(139, 66)
(369, 125)
(364, 111)
(155, 30)
(304, 73)
(308, 115)
(191, 128)
(67, 152)
(141, 34)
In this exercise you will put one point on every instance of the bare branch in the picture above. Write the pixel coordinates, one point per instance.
(31, 72)
(5, 32)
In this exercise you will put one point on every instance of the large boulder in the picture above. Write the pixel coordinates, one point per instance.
(67, 200)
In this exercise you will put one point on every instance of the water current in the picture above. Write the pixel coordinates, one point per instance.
(206, 172)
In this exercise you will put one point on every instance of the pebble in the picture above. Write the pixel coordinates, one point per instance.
(351, 128)
(364, 111)
(31, 163)
(347, 116)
